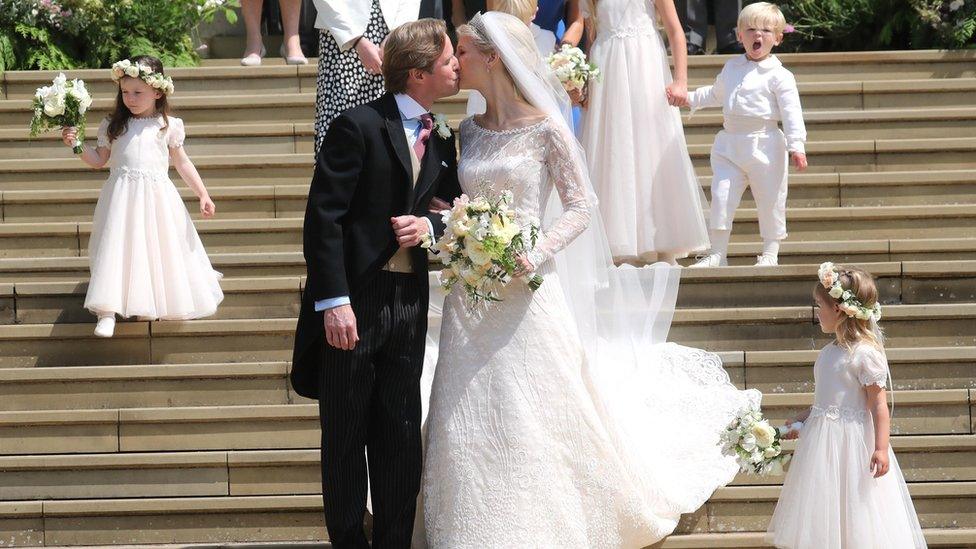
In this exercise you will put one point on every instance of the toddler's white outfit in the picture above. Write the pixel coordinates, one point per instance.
(751, 150)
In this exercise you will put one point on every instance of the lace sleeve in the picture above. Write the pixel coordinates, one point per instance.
(872, 366)
(103, 140)
(567, 174)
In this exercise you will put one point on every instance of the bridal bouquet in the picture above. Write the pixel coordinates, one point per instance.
(755, 444)
(481, 243)
(572, 69)
(62, 104)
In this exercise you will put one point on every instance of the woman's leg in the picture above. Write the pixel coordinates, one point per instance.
(290, 16)
(251, 10)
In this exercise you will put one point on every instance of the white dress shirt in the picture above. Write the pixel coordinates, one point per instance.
(765, 90)
(410, 113)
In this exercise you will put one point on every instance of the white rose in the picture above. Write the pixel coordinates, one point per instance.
(470, 276)
(54, 105)
(764, 433)
(476, 252)
(132, 71)
(771, 452)
(748, 443)
(836, 291)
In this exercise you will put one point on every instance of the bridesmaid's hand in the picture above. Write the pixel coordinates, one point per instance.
(879, 463)
(207, 206)
(69, 135)
(370, 56)
(799, 160)
(577, 97)
(677, 93)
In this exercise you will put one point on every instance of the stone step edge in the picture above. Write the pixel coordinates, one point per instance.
(272, 412)
(146, 372)
(285, 456)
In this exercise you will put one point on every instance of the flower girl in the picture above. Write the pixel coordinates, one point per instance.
(146, 259)
(844, 488)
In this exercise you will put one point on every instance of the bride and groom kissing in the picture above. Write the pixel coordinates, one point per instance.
(557, 417)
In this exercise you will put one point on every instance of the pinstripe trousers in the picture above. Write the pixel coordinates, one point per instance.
(370, 399)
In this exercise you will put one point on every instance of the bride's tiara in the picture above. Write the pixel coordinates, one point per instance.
(852, 307)
(145, 73)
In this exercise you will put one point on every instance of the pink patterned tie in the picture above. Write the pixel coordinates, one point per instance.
(420, 146)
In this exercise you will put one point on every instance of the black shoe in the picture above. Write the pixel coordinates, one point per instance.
(695, 49)
(731, 49)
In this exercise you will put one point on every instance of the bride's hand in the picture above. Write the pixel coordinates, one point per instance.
(525, 267)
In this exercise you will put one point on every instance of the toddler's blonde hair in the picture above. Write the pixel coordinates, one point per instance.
(761, 15)
(523, 9)
(853, 330)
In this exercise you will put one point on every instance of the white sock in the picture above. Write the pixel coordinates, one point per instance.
(720, 241)
(771, 248)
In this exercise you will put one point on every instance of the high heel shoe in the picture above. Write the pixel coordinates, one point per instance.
(105, 326)
(252, 60)
(299, 60)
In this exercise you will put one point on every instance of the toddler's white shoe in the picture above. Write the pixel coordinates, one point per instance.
(105, 326)
(766, 260)
(710, 260)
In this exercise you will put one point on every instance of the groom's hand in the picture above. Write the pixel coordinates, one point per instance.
(340, 327)
(409, 230)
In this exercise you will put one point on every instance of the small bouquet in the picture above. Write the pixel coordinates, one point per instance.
(572, 69)
(755, 444)
(481, 243)
(62, 104)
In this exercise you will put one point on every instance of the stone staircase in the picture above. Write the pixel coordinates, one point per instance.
(188, 433)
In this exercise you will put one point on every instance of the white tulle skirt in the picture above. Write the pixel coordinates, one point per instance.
(635, 147)
(145, 256)
(830, 499)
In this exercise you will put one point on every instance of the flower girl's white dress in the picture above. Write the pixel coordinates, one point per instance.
(635, 146)
(830, 499)
(145, 255)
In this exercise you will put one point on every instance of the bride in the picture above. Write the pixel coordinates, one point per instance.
(559, 417)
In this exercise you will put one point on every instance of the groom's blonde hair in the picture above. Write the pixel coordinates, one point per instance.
(413, 45)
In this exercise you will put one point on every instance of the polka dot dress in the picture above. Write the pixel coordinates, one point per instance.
(343, 82)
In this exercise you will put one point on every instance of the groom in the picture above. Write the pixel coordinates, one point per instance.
(359, 346)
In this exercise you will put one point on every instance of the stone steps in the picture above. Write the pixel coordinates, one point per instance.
(925, 458)
(250, 137)
(270, 339)
(945, 507)
(138, 386)
(296, 426)
(908, 283)
(955, 221)
(814, 190)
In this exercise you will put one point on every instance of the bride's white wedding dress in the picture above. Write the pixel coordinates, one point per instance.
(558, 418)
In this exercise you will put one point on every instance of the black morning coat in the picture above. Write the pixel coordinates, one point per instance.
(363, 177)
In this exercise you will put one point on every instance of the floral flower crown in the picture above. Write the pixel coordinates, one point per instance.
(144, 72)
(849, 304)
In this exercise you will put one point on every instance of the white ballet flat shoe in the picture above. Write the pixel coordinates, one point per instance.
(710, 260)
(292, 60)
(105, 326)
(766, 260)
(253, 60)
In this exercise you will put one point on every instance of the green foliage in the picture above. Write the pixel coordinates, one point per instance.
(853, 25)
(68, 34)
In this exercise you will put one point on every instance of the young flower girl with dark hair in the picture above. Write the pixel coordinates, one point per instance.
(145, 256)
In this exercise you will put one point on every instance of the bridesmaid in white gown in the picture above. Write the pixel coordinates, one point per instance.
(544, 427)
(635, 145)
